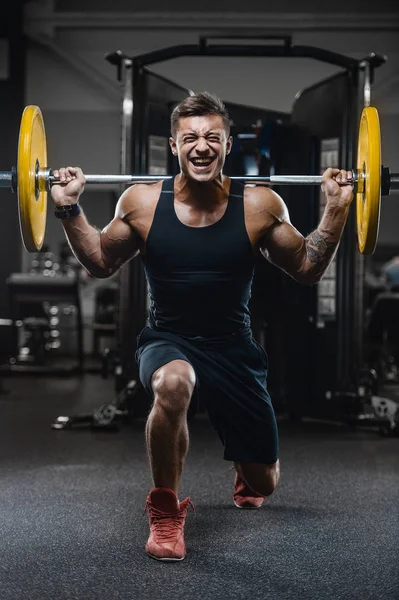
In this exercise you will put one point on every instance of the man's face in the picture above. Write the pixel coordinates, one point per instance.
(201, 145)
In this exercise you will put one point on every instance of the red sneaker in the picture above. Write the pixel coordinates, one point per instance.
(244, 497)
(166, 517)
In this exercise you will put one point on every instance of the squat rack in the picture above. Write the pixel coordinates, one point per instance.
(131, 75)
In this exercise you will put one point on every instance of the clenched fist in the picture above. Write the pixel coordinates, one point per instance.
(334, 185)
(71, 186)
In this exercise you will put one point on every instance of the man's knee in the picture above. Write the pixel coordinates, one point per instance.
(173, 385)
(261, 478)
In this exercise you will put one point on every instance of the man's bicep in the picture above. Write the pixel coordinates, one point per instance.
(119, 243)
(285, 247)
(119, 240)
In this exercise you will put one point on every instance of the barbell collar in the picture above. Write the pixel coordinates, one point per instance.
(385, 181)
(43, 180)
(14, 180)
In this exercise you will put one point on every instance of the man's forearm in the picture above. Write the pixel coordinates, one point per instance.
(85, 243)
(322, 243)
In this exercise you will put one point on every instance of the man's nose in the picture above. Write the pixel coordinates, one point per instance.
(202, 145)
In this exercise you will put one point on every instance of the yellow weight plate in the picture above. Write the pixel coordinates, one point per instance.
(32, 156)
(368, 196)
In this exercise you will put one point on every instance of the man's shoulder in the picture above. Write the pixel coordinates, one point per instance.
(139, 198)
(140, 191)
(261, 199)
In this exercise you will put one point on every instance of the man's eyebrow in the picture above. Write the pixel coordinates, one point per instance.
(210, 132)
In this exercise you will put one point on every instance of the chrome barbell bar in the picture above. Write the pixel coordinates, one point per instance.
(272, 179)
(45, 177)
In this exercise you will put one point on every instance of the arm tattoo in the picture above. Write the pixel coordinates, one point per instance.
(319, 248)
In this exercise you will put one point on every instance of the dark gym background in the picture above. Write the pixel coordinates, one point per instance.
(72, 497)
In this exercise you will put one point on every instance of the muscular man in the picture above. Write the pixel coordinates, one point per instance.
(198, 236)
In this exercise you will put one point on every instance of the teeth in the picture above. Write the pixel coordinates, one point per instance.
(200, 161)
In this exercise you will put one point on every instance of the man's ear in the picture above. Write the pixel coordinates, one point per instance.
(173, 146)
(229, 144)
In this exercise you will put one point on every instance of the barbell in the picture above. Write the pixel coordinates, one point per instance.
(32, 179)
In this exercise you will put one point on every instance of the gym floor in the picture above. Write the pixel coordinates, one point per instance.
(72, 523)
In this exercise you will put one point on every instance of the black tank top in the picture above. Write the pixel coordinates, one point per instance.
(199, 277)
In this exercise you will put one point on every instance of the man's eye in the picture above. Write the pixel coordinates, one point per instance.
(189, 139)
(213, 138)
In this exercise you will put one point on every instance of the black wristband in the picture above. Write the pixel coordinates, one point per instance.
(67, 211)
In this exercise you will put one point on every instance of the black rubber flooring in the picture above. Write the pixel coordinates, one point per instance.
(72, 525)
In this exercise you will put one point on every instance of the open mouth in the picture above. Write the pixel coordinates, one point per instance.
(202, 163)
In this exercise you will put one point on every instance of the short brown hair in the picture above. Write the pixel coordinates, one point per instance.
(199, 105)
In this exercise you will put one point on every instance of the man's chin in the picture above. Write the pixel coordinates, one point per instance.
(203, 177)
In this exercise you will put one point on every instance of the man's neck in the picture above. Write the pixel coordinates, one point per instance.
(202, 193)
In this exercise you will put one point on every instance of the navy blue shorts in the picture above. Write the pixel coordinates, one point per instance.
(231, 381)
